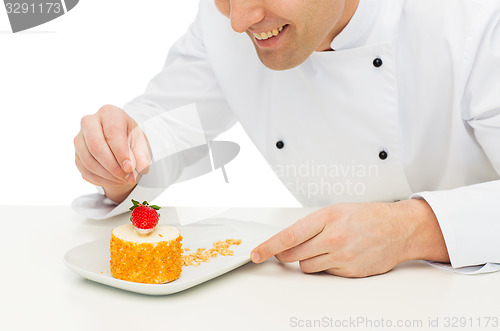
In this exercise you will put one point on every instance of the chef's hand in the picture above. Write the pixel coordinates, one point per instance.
(359, 239)
(111, 151)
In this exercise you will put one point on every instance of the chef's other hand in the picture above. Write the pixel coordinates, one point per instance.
(111, 151)
(358, 239)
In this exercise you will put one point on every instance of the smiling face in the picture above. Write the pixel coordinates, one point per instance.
(286, 32)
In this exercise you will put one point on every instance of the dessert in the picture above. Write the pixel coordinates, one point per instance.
(144, 252)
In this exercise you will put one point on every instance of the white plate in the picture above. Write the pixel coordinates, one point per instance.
(91, 260)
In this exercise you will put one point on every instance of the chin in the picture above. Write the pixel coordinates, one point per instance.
(278, 63)
(282, 59)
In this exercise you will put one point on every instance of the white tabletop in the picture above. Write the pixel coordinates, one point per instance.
(38, 292)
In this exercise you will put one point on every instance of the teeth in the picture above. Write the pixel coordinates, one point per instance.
(267, 35)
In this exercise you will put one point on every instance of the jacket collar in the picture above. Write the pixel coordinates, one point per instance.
(358, 30)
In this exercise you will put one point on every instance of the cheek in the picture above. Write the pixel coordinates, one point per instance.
(320, 22)
(224, 6)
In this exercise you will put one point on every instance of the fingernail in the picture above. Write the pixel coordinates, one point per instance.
(255, 257)
(127, 166)
(130, 177)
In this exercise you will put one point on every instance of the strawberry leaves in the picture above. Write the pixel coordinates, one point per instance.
(143, 215)
(144, 203)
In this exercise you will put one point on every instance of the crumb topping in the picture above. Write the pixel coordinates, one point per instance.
(204, 255)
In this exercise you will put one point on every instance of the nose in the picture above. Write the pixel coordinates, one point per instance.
(245, 13)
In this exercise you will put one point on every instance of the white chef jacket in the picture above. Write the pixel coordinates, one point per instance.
(424, 122)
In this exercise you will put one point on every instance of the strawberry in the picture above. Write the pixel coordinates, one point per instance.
(144, 217)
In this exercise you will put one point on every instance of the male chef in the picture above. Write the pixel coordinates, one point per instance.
(385, 112)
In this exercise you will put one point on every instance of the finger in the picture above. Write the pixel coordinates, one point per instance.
(115, 130)
(308, 249)
(90, 177)
(292, 236)
(135, 177)
(90, 163)
(318, 263)
(98, 147)
(140, 150)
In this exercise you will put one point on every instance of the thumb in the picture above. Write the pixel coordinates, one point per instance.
(140, 151)
(115, 127)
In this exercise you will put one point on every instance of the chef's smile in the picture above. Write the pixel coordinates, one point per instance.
(268, 38)
(265, 35)
(286, 32)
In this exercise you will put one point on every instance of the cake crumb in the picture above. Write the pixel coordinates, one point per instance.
(204, 255)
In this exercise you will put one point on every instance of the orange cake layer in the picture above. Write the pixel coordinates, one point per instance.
(152, 259)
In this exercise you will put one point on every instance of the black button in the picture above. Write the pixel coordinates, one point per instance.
(382, 155)
(280, 144)
(377, 62)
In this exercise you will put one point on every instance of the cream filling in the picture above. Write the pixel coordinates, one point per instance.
(268, 34)
(160, 233)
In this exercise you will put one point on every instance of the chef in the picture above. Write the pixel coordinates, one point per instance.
(387, 113)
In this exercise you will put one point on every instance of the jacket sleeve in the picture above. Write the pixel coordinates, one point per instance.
(469, 216)
(183, 107)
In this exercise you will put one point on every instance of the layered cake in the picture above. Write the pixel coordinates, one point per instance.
(144, 252)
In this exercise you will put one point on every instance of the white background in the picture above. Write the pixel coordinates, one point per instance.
(98, 53)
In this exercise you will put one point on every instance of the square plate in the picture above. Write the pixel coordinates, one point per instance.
(91, 260)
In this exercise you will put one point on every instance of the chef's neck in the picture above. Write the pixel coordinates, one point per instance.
(350, 8)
